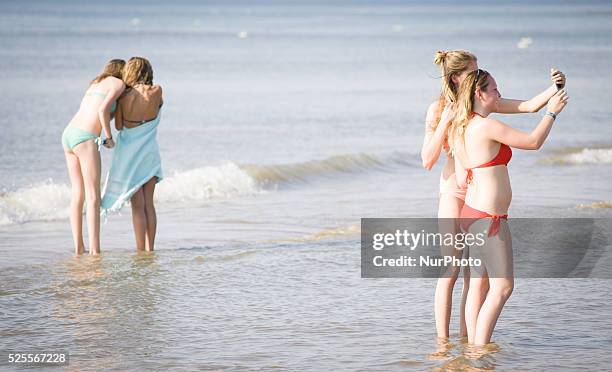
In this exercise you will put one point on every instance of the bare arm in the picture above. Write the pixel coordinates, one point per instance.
(535, 104)
(434, 139)
(104, 110)
(500, 132)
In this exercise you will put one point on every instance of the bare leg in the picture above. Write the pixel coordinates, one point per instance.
(501, 278)
(89, 158)
(464, 293)
(149, 190)
(501, 289)
(449, 209)
(139, 218)
(474, 299)
(443, 303)
(77, 201)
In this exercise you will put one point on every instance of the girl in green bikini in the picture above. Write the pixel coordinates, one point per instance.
(81, 141)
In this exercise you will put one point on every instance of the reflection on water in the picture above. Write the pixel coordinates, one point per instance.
(456, 354)
(104, 302)
(298, 307)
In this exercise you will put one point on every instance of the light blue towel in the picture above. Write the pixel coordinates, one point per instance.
(135, 161)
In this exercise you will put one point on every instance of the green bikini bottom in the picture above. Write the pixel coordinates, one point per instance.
(73, 136)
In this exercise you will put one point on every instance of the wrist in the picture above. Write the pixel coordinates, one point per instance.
(552, 114)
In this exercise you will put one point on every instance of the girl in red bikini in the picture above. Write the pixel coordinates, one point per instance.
(455, 65)
(481, 145)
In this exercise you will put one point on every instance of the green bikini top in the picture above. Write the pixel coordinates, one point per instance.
(103, 95)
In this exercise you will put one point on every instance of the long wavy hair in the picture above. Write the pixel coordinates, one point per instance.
(137, 70)
(452, 63)
(475, 80)
(114, 68)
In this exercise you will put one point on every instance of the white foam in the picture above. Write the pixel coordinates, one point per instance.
(585, 156)
(46, 201)
(49, 201)
(201, 184)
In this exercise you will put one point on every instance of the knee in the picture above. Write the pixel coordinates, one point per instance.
(477, 286)
(93, 199)
(78, 197)
(137, 202)
(504, 291)
(446, 282)
(149, 206)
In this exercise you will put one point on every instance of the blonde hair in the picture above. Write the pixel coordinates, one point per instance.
(452, 63)
(114, 68)
(137, 70)
(475, 80)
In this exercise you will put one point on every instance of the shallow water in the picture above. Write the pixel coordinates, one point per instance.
(294, 306)
(274, 146)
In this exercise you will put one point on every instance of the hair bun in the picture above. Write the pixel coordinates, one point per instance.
(440, 57)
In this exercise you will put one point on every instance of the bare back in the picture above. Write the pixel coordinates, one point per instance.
(489, 190)
(138, 105)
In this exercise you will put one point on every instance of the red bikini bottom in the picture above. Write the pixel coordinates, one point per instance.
(470, 215)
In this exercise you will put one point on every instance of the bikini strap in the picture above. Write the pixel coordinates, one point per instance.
(495, 222)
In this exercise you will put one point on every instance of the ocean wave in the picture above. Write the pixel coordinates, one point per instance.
(46, 201)
(331, 166)
(329, 233)
(50, 201)
(201, 184)
(597, 205)
(582, 156)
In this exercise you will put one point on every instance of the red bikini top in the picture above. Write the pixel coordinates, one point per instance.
(502, 158)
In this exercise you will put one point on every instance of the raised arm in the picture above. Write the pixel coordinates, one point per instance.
(515, 106)
(434, 139)
(500, 132)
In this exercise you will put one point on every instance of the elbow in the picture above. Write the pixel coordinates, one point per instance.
(535, 145)
(427, 162)
(528, 108)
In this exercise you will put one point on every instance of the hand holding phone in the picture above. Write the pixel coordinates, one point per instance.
(558, 78)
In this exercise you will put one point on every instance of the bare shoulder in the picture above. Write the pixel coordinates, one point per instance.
(155, 89)
(432, 113)
(434, 107)
(115, 82)
(487, 126)
(492, 123)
